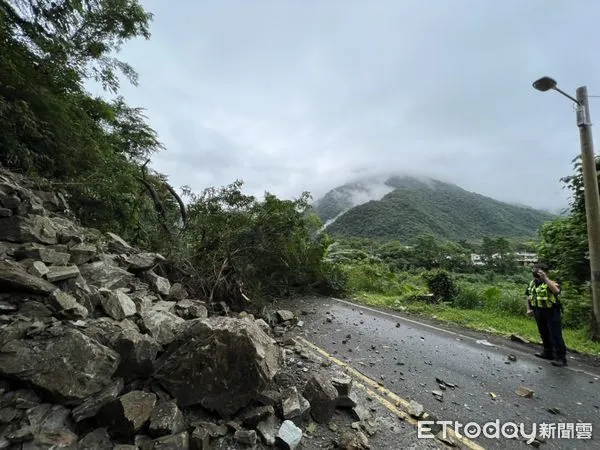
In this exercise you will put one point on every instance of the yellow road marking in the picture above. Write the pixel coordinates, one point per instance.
(381, 391)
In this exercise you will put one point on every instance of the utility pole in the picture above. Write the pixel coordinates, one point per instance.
(590, 189)
(592, 201)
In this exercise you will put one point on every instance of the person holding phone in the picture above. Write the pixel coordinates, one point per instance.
(543, 303)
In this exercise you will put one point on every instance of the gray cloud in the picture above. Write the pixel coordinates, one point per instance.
(304, 95)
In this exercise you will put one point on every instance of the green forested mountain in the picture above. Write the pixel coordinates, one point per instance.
(416, 206)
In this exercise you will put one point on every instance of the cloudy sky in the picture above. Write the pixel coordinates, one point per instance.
(293, 95)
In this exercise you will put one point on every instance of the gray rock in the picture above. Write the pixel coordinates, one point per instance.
(289, 435)
(125, 447)
(86, 296)
(105, 274)
(191, 309)
(59, 273)
(118, 305)
(157, 283)
(106, 331)
(8, 414)
(178, 292)
(5, 212)
(142, 302)
(82, 253)
(66, 305)
(246, 437)
(23, 399)
(48, 425)
(7, 249)
(10, 201)
(140, 262)
(415, 409)
(67, 364)
(347, 401)
(166, 418)
(94, 403)
(29, 228)
(270, 397)
(160, 325)
(252, 417)
(144, 442)
(42, 253)
(137, 353)
(354, 440)
(49, 200)
(35, 310)
(290, 403)
(200, 439)
(118, 245)
(14, 278)
(263, 325)
(361, 413)
(342, 383)
(268, 429)
(96, 440)
(322, 396)
(127, 415)
(245, 358)
(179, 441)
(38, 269)
(283, 315)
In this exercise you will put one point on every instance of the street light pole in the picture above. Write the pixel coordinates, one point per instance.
(592, 201)
(590, 187)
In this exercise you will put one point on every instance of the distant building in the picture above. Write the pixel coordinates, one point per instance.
(526, 258)
(522, 258)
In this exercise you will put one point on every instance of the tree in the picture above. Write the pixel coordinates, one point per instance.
(79, 36)
(564, 241)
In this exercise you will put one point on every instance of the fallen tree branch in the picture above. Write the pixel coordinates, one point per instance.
(182, 210)
(158, 205)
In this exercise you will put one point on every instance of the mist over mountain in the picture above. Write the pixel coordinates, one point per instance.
(406, 206)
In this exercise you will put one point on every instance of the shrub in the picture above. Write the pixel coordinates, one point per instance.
(577, 311)
(441, 285)
(511, 302)
(468, 297)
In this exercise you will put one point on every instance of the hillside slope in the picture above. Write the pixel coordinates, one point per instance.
(417, 206)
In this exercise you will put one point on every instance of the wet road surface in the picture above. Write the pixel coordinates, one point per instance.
(406, 356)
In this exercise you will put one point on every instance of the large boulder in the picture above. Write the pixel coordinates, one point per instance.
(244, 357)
(126, 415)
(29, 228)
(117, 244)
(105, 274)
(45, 426)
(62, 361)
(139, 262)
(82, 253)
(117, 304)
(13, 277)
(160, 323)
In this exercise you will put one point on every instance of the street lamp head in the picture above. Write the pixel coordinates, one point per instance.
(544, 84)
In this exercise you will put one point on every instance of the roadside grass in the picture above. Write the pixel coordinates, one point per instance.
(485, 319)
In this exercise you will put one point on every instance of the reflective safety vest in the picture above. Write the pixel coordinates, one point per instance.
(541, 295)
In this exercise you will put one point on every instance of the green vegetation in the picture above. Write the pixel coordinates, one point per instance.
(224, 244)
(435, 279)
(418, 207)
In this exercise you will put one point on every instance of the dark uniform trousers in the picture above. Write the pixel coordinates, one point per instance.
(549, 325)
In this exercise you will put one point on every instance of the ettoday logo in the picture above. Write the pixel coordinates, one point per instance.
(508, 430)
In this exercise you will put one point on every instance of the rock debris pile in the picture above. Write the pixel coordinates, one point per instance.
(98, 351)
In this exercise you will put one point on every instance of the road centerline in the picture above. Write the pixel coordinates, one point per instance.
(398, 401)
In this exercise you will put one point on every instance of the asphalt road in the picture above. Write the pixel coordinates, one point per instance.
(407, 355)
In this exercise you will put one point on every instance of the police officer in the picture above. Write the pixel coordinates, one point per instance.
(542, 301)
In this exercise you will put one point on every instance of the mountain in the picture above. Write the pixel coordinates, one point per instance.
(404, 207)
